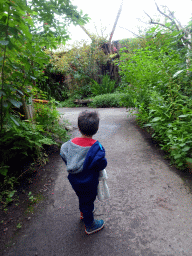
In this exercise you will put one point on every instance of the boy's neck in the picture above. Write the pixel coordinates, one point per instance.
(84, 136)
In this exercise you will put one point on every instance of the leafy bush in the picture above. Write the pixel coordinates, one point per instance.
(26, 141)
(107, 86)
(19, 144)
(47, 116)
(107, 100)
(158, 83)
(73, 69)
(68, 103)
(126, 99)
(25, 34)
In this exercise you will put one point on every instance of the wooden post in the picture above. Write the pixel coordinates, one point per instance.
(28, 106)
(114, 26)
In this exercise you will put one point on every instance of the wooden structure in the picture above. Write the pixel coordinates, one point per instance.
(108, 47)
(28, 105)
(83, 102)
(114, 26)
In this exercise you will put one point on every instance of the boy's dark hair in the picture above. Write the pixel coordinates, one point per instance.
(88, 122)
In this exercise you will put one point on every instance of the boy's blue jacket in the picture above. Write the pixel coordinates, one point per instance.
(83, 164)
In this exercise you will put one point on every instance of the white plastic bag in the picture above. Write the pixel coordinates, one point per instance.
(102, 189)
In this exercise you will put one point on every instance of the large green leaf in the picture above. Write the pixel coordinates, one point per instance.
(14, 120)
(185, 148)
(16, 103)
(189, 160)
(2, 93)
(181, 116)
(156, 119)
(177, 73)
(4, 170)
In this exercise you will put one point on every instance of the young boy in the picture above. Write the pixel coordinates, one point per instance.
(84, 158)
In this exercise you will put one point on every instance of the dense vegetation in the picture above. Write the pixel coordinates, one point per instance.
(155, 72)
(27, 30)
(78, 73)
(158, 79)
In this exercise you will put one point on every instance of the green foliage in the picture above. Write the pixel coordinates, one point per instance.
(52, 82)
(47, 116)
(107, 86)
(31, 198)
(27, 139)
(26, 31)
(76, 68)
(68, 103)
(19, 225)
(107, 100)
(21, 42)
(131, 44)
(21, 142)
(127, 98)
(7, 194)
(157, 81)
(24, 143)
(39, 94)
(28, 28)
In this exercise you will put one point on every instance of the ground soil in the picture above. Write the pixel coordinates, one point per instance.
(39, 181)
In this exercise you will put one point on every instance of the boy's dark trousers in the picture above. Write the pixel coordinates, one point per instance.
(86, 206)
(87, 195)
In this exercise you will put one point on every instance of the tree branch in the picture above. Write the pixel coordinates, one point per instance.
(131, 32)
(173, 16)
(167, 16)
(157, 23)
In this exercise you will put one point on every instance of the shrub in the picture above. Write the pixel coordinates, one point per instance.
(20, 144)
(24, 141)
(159, 86)
(68, 103)
(127, 100)
(80, 64)
(48, 117)
(107, 100)
(107, 86)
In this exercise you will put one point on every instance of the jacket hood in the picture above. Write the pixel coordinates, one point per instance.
(79, 158)
(73, 156)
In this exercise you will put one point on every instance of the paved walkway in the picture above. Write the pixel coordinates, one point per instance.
(149, 212)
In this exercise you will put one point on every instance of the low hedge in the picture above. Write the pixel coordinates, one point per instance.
(108, 100)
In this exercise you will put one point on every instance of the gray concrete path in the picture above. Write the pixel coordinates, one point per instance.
(149, 212)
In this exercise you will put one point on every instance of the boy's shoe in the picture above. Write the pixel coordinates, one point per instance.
(96, 226)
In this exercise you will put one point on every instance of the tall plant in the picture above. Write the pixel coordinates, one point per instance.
(26, 30)
(28, 27)
(159, 82)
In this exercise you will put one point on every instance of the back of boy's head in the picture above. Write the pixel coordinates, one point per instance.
(88, 122)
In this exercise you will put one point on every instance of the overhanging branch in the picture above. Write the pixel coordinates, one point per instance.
(158, 23)
(167, 16)
(131, 32)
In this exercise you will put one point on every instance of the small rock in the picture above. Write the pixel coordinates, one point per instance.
(68, 127)
(29, 218)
